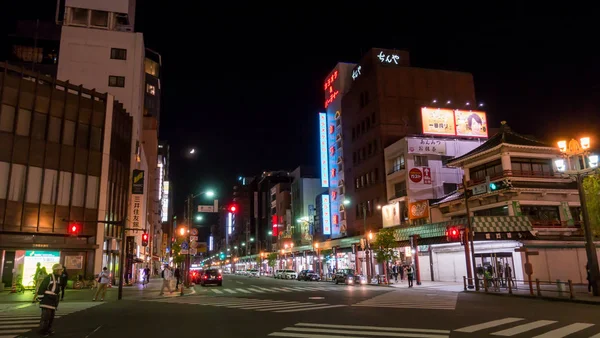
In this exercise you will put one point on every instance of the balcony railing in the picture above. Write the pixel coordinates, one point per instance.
(515, 173)
(396, 168)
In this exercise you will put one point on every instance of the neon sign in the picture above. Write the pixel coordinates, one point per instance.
(330, 93)
(389, 58)
(326, 215)
(323, 150)
(356, 72)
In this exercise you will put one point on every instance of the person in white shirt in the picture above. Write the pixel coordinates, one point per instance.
(103, 279)
(167, 275)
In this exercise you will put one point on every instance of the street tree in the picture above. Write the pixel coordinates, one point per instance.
(176, 249)
(384, 245)
(272, 259)
(591, 186)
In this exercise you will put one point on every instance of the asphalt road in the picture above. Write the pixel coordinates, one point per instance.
(315, 310)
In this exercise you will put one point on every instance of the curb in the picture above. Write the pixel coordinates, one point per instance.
(550, 299)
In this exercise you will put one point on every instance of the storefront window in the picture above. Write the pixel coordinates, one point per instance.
(542, 215)
(499, 211)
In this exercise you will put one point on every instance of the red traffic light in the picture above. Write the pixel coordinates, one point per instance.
(144, 239)
(453, 234)
(233, 208)
(74, 229)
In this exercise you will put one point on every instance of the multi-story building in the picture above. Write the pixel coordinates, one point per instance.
(410, 187)
(331, 142)
(243, 223)
(34, 45)
(382, 106)
(305, 187)
(64, 162)
(267, 227)
(166, 210)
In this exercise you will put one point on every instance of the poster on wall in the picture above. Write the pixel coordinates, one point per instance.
(74, 262)
(438, 121)
(46, 259)
(471, 123)
(426, 146)
(419, 209)
(391, 214)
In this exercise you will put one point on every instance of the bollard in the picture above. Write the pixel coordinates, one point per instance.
(181, 294)
(571, 293)
(560, 287)
(485, 284)
(537, 286)
(465, 282)
(509, 286)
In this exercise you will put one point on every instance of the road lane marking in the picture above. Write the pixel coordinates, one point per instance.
(230, 291)
(244, 291)
(311, 308)
(300, 335)
(487, 325)
(217, 291)
(281, 289)
(373, 328)
(566, 330)
(288, 307)
(368, 333)
(523, 328)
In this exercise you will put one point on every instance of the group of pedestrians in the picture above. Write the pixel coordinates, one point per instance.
(401, 270)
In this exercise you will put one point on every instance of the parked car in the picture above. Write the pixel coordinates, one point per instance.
(253, 273)
(346, 276)
(308, 275)
(289, 274)
(212, 276)
(278, 274)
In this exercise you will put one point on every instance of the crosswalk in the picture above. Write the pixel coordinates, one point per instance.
(314, 330)
(413, 299)
(253, 289)
(510, 326)
(254, 304)
(16, 322)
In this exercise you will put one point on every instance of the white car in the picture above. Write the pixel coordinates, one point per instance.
(278, 274)
(289, 274)
(253, 273)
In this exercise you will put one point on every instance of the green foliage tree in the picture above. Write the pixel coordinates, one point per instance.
(176, 249)
(383, 246)
(272, 258)
(591, 186)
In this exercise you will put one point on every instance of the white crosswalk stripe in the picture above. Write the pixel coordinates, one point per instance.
(413, 299)
(315, 330)
(254, 304)
(517, 326)
(19, 321)
(271, 289)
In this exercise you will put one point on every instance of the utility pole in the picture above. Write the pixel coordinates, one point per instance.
(468, 238)
(368, 246)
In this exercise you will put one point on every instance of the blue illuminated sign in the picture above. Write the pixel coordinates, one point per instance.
(326, 216)
(323, 150)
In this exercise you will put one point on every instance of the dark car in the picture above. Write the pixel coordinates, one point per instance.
(211, 276)
(345, 276)
(308, 275)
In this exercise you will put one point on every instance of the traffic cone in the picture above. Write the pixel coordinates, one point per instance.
(13, 288)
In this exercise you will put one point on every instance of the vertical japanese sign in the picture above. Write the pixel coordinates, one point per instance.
(326, 216)
(323, 150)
(137, 199)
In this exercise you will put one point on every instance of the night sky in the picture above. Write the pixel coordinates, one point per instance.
(244, 87)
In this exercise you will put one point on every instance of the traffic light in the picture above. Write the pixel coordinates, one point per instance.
(233, 208)
(221, 256)
(74, 229)
(144, 239)
(453, 234)
(499, 185)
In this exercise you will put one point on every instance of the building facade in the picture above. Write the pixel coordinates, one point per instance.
(305, 187)
(382, 106)
(63, 162)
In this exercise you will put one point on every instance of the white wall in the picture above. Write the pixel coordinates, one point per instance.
(559, 263)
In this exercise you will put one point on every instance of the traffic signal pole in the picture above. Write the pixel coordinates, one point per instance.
(468, 239)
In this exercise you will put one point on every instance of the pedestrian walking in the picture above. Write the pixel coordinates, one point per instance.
(177, 275)
(401, 268)
(410, 274)
(103, 280)
(64, 277)
(48, 296)
(395, 272)
(167, 275)
(147, 275)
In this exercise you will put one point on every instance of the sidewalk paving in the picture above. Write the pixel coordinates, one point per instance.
(137, 291)
(548, 292)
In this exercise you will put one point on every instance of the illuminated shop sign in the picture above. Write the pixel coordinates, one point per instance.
(388, 58)
(326, 216)
(438, 121)
(323, 150)
(331, 92)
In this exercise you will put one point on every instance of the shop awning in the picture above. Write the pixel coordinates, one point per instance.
(501, 224)
(427, 230)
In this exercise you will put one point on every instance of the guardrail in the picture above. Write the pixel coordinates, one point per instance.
(535, 288)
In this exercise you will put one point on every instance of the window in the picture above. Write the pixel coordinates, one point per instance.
(79, 16)
(373, 118)
(69, 133)
(50, 184)
(54, 130)
(28, 53)
(421, 161)
(400, 189)
(398, 164)
(118, 54)
(64, 188)
(96, 138)
(7, 118)
(531, 167)
(4, 168)
(151, 67)
(150, 89)
(39, 126)
(449, 188)
(116, 81)
(17, 183)
(83, 133)
(498, 211)
(23, 121)
(34, 185)
(78, 190)
(492, 169)
(99, 18)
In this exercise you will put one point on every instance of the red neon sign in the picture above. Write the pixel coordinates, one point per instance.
(329, 90)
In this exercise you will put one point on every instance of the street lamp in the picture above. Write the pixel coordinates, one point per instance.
(188, 221)
(198, 217)
(579, 163)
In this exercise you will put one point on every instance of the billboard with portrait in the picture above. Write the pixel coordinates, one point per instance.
(438, 121)
(471, 123)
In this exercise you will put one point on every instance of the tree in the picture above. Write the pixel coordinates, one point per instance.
(384, 246)
(591, 186)
(272, 259)
(176, 249)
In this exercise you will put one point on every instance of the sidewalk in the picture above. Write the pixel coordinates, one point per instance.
(547, 292)
(137, 291)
